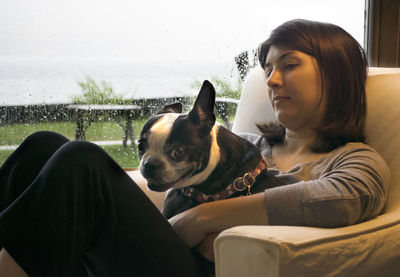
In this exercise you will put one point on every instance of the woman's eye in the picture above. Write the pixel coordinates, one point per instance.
(268, 73)
(291, 65)
(177, 154)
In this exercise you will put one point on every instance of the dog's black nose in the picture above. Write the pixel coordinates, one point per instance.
(151, 167)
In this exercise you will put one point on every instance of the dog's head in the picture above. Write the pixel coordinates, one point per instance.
(178, 150)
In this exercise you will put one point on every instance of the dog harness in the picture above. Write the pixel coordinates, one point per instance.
(239, 184)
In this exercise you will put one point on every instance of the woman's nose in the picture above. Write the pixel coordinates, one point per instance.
(274, 79)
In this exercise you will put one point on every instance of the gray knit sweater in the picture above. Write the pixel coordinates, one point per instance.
(346, 186)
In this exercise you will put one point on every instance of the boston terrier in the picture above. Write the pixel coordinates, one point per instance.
(196, 159)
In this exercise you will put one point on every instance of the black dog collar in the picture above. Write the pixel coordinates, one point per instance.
(239, 184)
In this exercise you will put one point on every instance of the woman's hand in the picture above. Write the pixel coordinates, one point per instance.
(206, 247)
(188, 226)
(193, 225)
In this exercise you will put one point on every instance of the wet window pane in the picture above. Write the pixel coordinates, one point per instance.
(96, 70)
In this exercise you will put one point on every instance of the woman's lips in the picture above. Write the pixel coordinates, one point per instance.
(280, 99)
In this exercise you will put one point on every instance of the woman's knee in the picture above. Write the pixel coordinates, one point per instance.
(79, 152)
(73, 166)
(43, 139)
(34, 151)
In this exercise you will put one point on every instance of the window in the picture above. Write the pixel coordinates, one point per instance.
(383, 33)
(130, 51)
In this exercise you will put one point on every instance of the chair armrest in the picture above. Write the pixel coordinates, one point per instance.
(367, 249)
(156, 197)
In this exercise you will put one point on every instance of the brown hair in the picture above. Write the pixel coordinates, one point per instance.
(343, 67)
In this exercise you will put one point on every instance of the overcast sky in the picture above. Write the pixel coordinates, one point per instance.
(157, 29)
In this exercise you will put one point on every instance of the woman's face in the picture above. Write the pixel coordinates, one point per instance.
(294, 88)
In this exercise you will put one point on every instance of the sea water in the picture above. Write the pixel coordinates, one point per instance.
(25, 81)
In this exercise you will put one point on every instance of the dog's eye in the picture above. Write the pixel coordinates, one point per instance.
(177, 154)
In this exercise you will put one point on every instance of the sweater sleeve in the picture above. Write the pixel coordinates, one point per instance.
(350, 186)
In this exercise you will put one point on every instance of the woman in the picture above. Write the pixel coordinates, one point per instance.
(67, 204)
(315, 75)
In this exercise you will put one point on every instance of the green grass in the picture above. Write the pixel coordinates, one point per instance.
(126, 157)
(14, 134)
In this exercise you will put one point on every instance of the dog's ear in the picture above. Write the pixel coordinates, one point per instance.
(203, 109)
(172, 108)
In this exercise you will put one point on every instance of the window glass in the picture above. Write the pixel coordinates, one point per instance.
(134, 54)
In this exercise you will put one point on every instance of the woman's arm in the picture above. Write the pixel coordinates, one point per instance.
(213, 217)
(348, 187)
(200, 225)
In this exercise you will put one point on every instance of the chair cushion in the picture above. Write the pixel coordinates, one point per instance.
(254, 105)
(383, 126)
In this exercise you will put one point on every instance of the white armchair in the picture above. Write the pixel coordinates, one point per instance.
(370, 248)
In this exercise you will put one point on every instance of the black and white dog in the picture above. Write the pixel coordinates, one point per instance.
(197, 159)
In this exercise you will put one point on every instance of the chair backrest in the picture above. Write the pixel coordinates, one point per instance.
(383, 126)
(382, 123)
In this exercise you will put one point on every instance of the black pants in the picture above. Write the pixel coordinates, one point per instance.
(66, 204)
